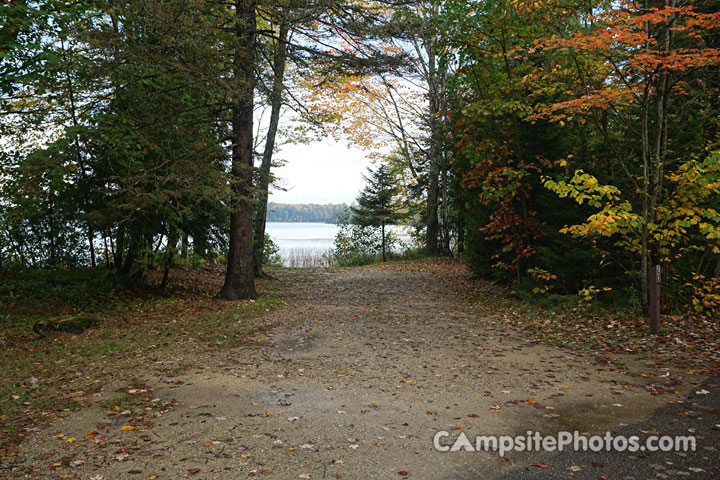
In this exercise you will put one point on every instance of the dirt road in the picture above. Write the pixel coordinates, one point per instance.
(351, 379)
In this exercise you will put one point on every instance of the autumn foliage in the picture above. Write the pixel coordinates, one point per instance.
(614, 107)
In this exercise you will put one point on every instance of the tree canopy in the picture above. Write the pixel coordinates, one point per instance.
(562, 147)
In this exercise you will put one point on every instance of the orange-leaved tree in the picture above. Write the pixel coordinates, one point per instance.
(625, 68)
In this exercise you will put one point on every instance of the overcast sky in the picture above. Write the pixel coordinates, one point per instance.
(322, 172)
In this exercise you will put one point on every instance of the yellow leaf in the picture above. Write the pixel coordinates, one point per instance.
(127, 427)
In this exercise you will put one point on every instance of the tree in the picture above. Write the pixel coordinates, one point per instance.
(376, 203)
(497, 157)
(240, 273)
(630, 66)
(403, 104)
(317, 40)
(113, 129)
(613, 104)
(279, 60)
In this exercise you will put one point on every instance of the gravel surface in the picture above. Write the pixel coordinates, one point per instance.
(354, 377)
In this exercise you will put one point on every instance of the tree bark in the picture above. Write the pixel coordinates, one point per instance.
(130, 257)
(445, 209)
(653, 160)
(263, 188)
(240, 276)
(383, 242)
(434, 158)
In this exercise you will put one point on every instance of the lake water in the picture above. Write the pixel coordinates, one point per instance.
(306, 236)
(308, 239)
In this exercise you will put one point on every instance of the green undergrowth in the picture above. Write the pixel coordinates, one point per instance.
(61, 289)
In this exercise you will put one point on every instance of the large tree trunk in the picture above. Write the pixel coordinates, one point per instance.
(263, 188)
(240, 277)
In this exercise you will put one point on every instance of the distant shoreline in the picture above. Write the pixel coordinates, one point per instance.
(305, 212)
(301, 221)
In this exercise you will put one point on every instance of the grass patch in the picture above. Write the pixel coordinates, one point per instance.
(38, 375)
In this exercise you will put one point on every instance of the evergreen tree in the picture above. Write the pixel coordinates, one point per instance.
(376, 203)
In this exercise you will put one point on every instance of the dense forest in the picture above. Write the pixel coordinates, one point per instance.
(311, 212)
(563, 147)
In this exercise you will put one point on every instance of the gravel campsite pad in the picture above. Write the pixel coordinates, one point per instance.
(352, 379)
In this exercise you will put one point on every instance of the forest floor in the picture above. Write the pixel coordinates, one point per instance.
(351, 378)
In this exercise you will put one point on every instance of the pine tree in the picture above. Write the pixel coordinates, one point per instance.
(376, 203)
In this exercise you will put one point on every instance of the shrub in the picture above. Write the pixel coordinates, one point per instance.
(271, 253)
